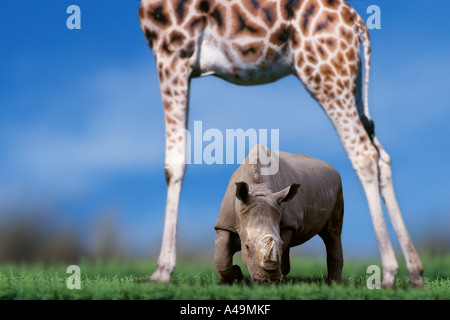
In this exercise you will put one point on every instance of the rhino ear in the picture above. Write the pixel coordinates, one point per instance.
(242, 191)
(286, 194)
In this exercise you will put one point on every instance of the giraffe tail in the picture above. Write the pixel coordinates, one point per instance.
(364, 113)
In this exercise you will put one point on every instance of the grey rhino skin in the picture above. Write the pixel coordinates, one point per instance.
(310, 203)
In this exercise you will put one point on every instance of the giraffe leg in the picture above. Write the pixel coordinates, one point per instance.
(413, 261)
(364, 157)
(336, 95)
(175, 101)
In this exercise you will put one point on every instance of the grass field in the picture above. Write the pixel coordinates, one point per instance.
(199, 280)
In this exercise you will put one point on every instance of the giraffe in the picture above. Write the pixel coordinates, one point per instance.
(250, 42)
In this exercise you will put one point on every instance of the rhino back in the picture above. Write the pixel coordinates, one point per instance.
(319, 183)
(320, 189)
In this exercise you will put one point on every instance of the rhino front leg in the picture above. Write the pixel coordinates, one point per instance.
(286, 236)
(226, 245)
(285, 263)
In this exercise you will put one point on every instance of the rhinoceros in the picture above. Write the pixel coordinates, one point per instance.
(265, 215)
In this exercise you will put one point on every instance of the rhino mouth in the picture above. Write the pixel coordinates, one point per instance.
(262, 275)
(262, 279)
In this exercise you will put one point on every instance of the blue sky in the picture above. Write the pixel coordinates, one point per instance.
(82, 130)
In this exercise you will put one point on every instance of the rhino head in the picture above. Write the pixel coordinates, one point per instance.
(259, 230)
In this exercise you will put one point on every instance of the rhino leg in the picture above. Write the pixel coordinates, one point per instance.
(331, 236)
(335, 261)
(286, 236)
(285, 263)
(226, 245)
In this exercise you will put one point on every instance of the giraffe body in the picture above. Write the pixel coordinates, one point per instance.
(249, 42)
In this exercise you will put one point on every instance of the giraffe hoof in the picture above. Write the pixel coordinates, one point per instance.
(416, 280)
(387, 284)
(161, 275)
(389, 278)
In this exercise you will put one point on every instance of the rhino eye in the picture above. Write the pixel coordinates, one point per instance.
(246, 247)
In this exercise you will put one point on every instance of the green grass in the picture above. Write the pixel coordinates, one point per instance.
(199, 280)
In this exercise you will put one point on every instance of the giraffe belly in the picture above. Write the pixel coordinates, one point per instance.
(228, 66)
